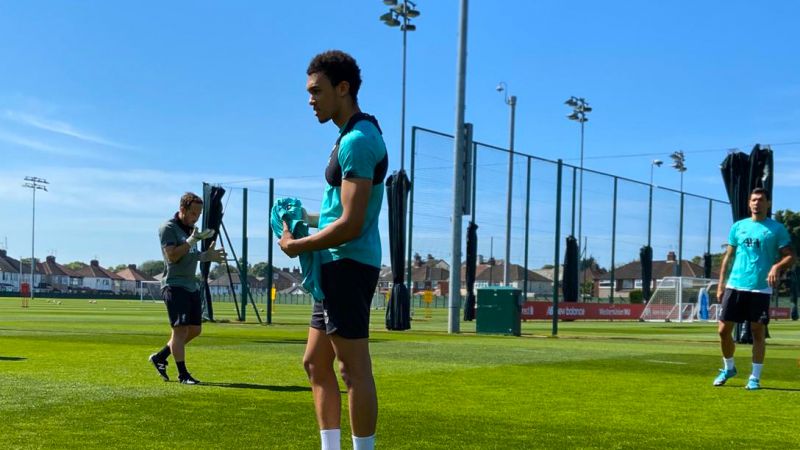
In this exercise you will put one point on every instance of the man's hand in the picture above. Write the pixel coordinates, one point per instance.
(720, 292)
(773, 276)
(198, 235)
(286, 242)
(214, 255)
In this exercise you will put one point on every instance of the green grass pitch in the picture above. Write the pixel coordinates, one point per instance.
(75, 375)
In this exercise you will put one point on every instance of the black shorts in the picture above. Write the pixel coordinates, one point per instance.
(348, 286)
(183, 307)
(745, 306)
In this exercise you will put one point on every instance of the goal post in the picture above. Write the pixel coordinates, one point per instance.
(682, 299)
(149, 290)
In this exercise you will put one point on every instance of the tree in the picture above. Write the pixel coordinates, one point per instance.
(547, 267)
(75, 265)
(588, 263)
(260, 269)
(790, 220)
(152, 267)
(118, 267)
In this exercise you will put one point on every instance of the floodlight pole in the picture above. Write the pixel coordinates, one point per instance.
(512, 102)
(406, 12)
(34, 184)
(454, 296)
(580, 107)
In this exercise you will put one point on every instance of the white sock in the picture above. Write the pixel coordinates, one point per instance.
(364, 443)
(757, 370)
(728, 363)
(331, 439)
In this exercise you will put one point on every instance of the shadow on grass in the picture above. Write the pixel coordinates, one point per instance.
(304, 340)
(780, 389)
(281, 341)
(263, 387)
(12, 358)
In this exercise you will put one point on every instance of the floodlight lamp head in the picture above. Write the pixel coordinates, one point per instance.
(392, 22)
(390, 2)
(412, 13)
(386, 17)
(571, 102)
(408, 27)
(586, 108)
(574, 116)
(658, 162)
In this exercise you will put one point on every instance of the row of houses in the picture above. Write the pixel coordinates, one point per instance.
(51, 276)
(434, 274)
(429, 274)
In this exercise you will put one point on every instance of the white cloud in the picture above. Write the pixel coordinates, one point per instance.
(42, 147)
(59, 127)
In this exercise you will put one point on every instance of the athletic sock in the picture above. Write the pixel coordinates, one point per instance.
(728, 363)
(164, 353)
(757, 370)
(182, 372)
(364, 443)
(331, 439)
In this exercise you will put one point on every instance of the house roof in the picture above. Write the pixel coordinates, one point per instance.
(93, 270)
(51, 267)
(486, 272)
(7, 263)
(661, 269)
(223, 280)
(131, 273)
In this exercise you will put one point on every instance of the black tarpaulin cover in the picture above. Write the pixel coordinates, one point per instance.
(570, 283)
(398, 311)
(707, 265)
(469, 270)
(646, 259)
(212, 218)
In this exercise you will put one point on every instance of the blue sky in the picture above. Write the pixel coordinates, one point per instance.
(124, 106)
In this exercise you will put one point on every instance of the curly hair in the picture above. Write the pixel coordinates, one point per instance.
(338, 66)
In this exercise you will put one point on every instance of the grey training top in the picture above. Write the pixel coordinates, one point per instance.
(181, 273)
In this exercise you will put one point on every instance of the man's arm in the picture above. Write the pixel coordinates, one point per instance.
(174, 253)
(355, 198)
(723, 271)
(787, 259)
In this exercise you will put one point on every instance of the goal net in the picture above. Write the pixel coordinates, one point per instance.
(149, 290)
(682, 299)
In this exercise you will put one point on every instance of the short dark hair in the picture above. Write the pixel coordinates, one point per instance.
(761, 191)
(338, 66)
(188, 199)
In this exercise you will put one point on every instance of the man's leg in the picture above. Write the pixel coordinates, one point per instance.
(727, 344)
(318, 363)
(758, 330)
(728, 347)
(193, 332)
(356, 369)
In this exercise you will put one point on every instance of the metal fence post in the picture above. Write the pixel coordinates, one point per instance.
(270, 273)
(557, 254)
(527, 226)
(411, 190)
(678, 268)
(243, 269)
(613, 240)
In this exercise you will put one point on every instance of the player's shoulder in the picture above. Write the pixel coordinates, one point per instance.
(364, 136)
(167, 225)
(773, 224)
